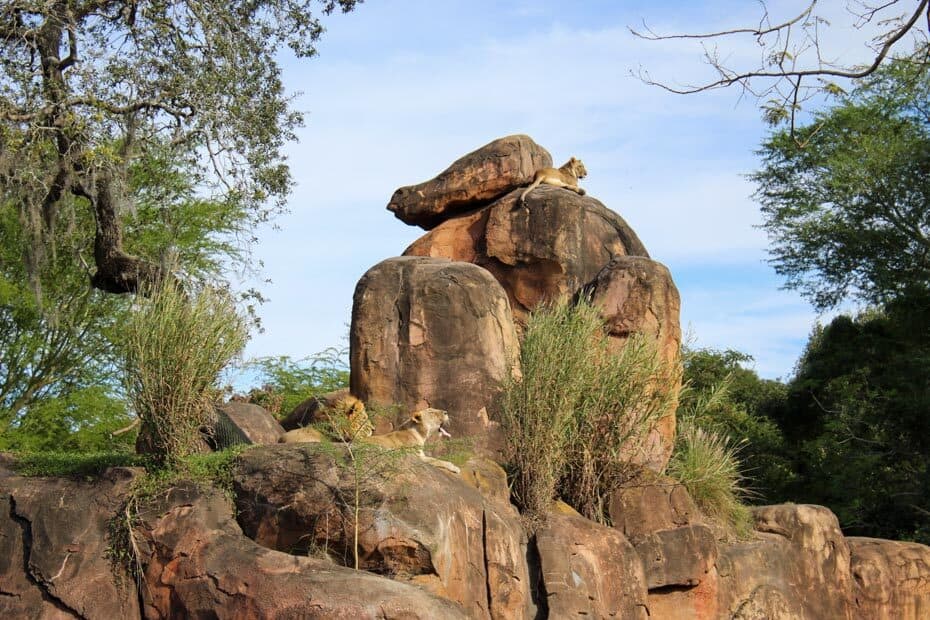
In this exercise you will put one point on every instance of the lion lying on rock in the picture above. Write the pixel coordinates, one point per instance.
(413, 434)
(341, 417)
(567, 176)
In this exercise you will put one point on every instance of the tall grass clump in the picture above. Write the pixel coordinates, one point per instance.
(174, 345)
(707, 463)
(581, 412)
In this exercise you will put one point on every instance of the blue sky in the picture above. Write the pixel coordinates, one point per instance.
(402, 88)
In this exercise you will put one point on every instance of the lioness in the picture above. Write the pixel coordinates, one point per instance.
(567, 176)
(414, 433)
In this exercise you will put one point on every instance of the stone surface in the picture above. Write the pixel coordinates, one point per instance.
(682, 556)
(417, 524)
(651, 504)
(588, 570)
(488, 478)
(893, 578)
(199, 565)
(429, 332)
(798, 568)
(54, 537)
(636, 295)
(471, 181)
(245, 423)
(551, 248)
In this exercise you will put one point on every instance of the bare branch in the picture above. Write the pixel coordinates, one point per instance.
(781, 65)
(756, 32)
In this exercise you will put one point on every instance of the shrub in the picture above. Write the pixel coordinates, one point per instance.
(707, 463)
(287, 382)
(581, 412)
(174, 346)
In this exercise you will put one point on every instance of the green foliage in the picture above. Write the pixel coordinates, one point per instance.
(287, 382)
(707, 463)
(580, 412)
(196, 83)
(60, 381)
(845, 197)
(724, 398)
(174, 345)
(73, 464)
(859, 412)
(78, 420)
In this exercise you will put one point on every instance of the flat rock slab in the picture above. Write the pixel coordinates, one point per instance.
(471, 181)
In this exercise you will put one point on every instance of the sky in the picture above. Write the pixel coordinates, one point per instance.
(402, 88)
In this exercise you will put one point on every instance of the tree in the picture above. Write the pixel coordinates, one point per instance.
(58, 381)
(794, 66)
(846, 200)
(723, 397)
(89, 86)
(857, 410)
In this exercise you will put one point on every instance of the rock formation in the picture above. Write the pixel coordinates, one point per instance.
(479, 177)
(429, 332)
(436, 327)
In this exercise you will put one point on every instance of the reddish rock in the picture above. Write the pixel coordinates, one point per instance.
(245, 423)
(651, 504)
(551, 248)
(636, 295)
(471, 181)
(417, 523)
(54, 542)
(488, 478)
(589, 570)
(433, 333)
(682, 556)
(893, 578)
(799, 567)
(199, 565)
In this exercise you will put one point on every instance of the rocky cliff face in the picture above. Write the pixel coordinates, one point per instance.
(439, 327)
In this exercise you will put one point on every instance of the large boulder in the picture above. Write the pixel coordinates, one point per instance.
(429, 332)
(416, 523)
(588, 570)
(893, 578)
(244, 423)
(471, 181)
(636, 295)
(797, 567)
(551, 248)
(198, 564)
(56, 552)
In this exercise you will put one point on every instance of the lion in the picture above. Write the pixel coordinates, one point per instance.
(567, 176)
(338, 415)
(305, 434)
(414, 433)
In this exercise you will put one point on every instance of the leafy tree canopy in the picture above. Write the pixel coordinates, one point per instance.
(89, 86)
(846, 198)
(859, 414)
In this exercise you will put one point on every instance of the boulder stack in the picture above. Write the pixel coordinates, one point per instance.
(430, 332)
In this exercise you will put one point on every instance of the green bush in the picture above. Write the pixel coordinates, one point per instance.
(580, 412)
(174, 346)
(707, 463)
(286, 382)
